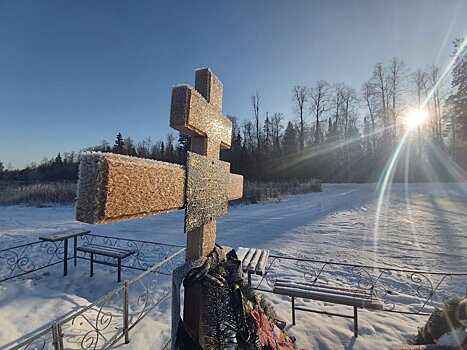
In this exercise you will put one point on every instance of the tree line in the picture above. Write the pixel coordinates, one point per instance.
(338, 133)
(341, 133)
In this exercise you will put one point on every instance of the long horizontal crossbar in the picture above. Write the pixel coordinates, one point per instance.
(322, 312)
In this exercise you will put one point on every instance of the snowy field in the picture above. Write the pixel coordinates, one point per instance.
(422, 226)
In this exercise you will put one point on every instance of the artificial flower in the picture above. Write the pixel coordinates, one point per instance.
(265, 329)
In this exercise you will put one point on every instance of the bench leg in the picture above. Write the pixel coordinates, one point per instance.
(92, 265)
(65, 257)
(75, 242)
(293, 310)
(119, 269)
(355, 319)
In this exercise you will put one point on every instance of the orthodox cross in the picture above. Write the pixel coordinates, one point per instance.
(113, 187)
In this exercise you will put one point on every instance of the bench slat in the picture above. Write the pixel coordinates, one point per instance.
(247, 258)
(310, 284)
(366, 303)
(328, 289)
(254, 260)
(105, 249)
(113, 252)
(261, 266)
(241, 252)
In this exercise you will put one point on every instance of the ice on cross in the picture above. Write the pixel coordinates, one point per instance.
(198, 113)
(115, 187)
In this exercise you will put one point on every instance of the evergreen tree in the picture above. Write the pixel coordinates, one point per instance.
(236, 150)
(267, 140)
(184, 142)
(290, 139)
(183, 146)
(119, 144)
(58, 159)
(162, 152)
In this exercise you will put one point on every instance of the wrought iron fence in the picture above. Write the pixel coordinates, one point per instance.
(405, 291)
(26, 258)
(31, 257)
(147, 253)
(105, 322)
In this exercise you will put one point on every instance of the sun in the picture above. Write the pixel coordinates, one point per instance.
(416, 118)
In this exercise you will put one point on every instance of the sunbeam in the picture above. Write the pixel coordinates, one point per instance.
(413, 120)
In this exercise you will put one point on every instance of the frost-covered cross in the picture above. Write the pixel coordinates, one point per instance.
(114, 187)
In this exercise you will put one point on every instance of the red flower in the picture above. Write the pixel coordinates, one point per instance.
(264, 328)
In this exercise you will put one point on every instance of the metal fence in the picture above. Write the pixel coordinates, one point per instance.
(404, 291)
(146, 253)
(31, 257)
(27, 258)
(110, 319)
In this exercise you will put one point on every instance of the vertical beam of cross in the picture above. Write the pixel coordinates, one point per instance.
(198, 113)
(113, 187)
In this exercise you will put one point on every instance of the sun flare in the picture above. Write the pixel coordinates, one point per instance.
(416, 118)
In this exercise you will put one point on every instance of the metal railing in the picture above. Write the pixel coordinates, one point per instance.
(146, 253)
(110, 319)
(405, 291)
(31, 257)
(27, 258)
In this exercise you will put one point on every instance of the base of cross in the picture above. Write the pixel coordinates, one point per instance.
(233, 314)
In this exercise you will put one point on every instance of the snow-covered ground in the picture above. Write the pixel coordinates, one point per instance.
(422, 226)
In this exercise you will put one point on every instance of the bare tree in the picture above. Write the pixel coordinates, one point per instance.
(397, 74)
(129, 146)
(348, 109)
(169, 147)
(349, 105)
(320, 104)
(300, 97)
(144, 148)
(255, 103)
(248, 138)
(276, 129)
(419, 82)
(156, 150)
(380, 81)
(337, 101)
(104, 146)
(435, 90)
(369, 97)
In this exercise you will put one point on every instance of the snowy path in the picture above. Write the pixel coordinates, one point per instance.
(424, 229)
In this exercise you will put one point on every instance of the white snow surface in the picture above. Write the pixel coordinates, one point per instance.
(421, 226)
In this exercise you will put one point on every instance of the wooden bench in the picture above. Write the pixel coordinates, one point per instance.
(357, 298)
(113, 252)
(254, 261)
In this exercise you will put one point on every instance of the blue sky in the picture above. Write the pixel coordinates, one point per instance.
(75, 72)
